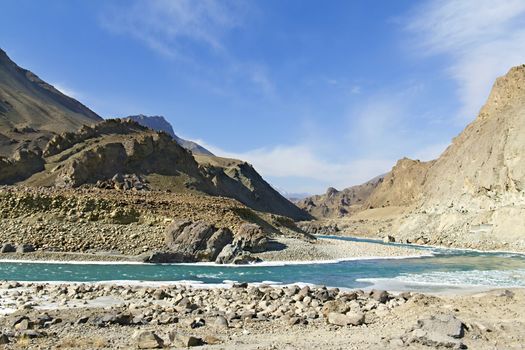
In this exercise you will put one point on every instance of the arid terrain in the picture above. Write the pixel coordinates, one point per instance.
(471, 196)
(101, 316)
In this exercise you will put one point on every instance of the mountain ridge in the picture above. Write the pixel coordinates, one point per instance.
(159, 123)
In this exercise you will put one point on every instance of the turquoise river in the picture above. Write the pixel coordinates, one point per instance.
(446, 270)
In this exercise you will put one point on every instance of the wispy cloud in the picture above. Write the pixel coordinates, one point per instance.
(194, 32)
(303, 161)
(168, 25)
(483, 39)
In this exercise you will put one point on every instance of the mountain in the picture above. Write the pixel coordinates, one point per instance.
(159, 123)
(49, 139)
(31, 110)
(475, 191)
(103, 153)
(473, 195)
(334, 203)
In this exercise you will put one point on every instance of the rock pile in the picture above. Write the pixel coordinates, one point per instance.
(124, 182)
(189, 308)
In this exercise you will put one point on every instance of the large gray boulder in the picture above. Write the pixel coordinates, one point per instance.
(250, 237)
(234, 254)
(198, 240)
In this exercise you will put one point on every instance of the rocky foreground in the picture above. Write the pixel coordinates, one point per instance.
(88, 316)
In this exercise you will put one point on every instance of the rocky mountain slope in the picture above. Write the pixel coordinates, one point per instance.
(473, 195)
(31, 110)
(108, 152)
(475, 190)
(334, 203)
(159, 123)
(49, 139)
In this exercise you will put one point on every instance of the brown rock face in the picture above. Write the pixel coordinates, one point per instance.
(473, 194)
(336, 203)
(486, 161)
(402, 186)
(26, 100)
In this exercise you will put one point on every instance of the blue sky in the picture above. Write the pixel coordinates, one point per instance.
(313, 93)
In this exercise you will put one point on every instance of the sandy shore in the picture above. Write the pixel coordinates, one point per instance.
(334, 249)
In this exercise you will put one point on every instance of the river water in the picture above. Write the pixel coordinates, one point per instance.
(445, 271)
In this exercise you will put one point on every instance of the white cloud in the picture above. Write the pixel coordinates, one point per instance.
(187, 31)
(303, 161)
(483, 38)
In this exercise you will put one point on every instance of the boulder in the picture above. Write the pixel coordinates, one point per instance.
(4, 339)
(211, 340)
(251, 237)
(25, 248)
(185, 341)
(147, 340)
(7, 248)
(233, 254)
(379, 295)
(336, 306)
(221, 322)
(389, 239)
(438, 331)
(444, 324)
(198, 240)
(352, 318)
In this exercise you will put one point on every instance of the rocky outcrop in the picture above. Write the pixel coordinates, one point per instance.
(225, 176)
(336, 204)
(130, 222)
(33, 113)
(199, 241)
(473, 194)
(402, 186)
(250, 237)
(22, 165)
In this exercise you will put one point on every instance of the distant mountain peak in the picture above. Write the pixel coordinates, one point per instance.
(159, 123)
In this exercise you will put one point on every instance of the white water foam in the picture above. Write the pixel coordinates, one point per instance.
(456, 279)
(213, 264)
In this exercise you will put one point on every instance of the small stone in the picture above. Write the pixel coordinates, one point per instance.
(221, 322)
(182, 340)
(147, 340)
(352, 318)
(379, 295)
(4, 339)
(211, 340)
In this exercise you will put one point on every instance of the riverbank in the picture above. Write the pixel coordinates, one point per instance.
(88, 316)
(282, 249)
(327, 249)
